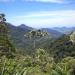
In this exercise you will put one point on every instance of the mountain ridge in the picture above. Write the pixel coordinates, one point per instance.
(65, 30)
(23, 43)
(16, 35)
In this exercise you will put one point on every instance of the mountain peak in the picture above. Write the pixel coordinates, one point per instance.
(25, 26)
(22, 25)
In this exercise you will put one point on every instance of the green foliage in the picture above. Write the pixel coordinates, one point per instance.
(42, 64)
(66, 66)
(61, 47)
(22, 65)
(2, 18)
(6, 48)
(35, 35)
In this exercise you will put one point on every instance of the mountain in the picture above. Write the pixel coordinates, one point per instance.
(23, 26)
(65, 30)
(57, 44)
(16, 35)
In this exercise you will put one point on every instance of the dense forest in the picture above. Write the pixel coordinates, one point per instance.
(47, 55)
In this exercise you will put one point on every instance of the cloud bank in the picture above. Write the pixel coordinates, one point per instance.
(51, 1)
(43, 1)
(46, 18)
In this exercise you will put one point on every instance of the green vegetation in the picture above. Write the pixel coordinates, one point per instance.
(6, 47)
(52, 57)
(42, 64)
(60, 48)
(35, 35)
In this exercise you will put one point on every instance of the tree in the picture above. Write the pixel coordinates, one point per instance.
(34, 35)
(2, 18)
(6, 47)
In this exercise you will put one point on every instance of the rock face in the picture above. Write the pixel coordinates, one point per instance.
(72, 37)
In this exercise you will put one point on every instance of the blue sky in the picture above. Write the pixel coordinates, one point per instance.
(39, 13)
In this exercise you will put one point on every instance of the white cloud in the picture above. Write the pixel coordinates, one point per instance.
(46, 18)
(51, 1)
(61, 13)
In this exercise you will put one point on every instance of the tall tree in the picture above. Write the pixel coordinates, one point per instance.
(34, 35)
(6, 47)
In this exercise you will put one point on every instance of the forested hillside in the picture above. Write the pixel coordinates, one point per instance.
(21, 42)
(6, 47)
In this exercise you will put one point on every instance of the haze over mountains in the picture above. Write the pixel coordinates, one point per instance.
(55, 30)
(16, 34)
(65, 30)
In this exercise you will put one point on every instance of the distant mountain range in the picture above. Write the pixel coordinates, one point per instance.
(16, 34)
(65, 30)
(19, 31)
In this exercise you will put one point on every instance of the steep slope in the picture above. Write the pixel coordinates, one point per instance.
(61, 47)
(16, 35)
(6, 48)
